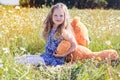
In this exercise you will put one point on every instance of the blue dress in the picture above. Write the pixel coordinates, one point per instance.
(51, 46)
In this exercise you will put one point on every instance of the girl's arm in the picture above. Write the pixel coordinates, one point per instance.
(70, 37)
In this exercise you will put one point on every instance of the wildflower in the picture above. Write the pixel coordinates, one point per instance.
(0, 35)
(108, 43)
(22, 48)
(98, 36)
(103, 28)
(0, 61)
(111, 46)
(12, 39)
(10, 11)
(98, 58)
(27, 78)
(117, 26)
(1, 64)
(118, 18)
(17, 7)
(110, 27)
(118, 74)
(5, 50)
(5, 69)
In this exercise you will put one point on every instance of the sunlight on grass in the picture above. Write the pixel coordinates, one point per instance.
(20, 33)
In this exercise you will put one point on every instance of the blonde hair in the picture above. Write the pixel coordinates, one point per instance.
(49, 22)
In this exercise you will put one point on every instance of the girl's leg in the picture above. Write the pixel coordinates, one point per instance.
(30, 59)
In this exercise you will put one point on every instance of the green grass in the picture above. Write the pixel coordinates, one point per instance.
(20, 33)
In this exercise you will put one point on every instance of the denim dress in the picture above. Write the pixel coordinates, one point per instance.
(51, 46)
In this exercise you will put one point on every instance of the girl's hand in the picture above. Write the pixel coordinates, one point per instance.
(58, 55)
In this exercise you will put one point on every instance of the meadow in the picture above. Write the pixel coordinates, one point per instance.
(20, 33)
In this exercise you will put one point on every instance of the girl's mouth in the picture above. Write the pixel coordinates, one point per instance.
(58, 20)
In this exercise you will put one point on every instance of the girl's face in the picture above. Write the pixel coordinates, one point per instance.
(58, 16)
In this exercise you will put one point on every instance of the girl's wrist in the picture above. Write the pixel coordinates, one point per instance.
(65, 55)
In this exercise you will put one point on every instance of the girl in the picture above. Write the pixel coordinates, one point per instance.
(57, 28)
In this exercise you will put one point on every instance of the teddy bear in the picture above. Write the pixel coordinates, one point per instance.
(82, 52)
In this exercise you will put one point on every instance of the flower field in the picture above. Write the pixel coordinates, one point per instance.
(20, 33)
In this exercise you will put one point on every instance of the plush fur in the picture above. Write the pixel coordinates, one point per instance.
(63, 47)
(82, 52)
(80, 31)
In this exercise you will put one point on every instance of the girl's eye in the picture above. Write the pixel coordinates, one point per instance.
(61, 15)
(55, 15)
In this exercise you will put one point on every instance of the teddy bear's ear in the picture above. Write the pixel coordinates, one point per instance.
(63, 47)
(80, 31)
(75, 21)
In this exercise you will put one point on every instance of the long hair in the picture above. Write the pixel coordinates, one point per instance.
(49, 21)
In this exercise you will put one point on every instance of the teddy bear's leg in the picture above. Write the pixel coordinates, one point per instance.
(106, 54)
(82, 53)
(79, 54)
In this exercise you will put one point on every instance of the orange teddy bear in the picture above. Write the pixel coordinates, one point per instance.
(82, 52)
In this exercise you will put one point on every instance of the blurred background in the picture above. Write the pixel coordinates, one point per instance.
(80, 4)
